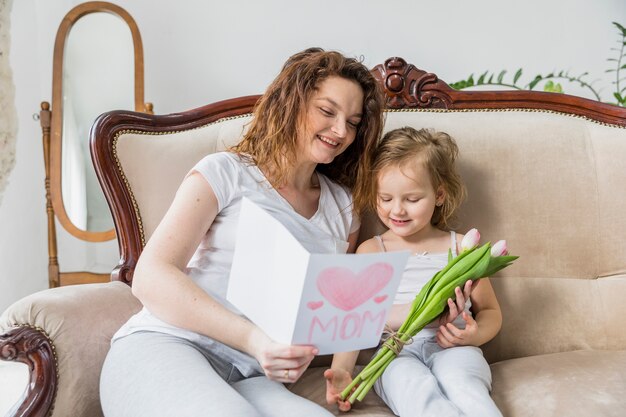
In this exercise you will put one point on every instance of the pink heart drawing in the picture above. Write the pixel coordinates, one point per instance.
(380, 299)
(314, 305)
(346, 290)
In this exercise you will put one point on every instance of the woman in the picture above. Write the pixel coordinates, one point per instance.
(307, 152)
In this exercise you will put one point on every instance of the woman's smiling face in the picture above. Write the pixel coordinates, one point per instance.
(332, 118)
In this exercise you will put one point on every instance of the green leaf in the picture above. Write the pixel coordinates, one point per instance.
(459, 85)
(534, 82)
(470, 80)
(498, 263)
(553, 87)
(490, 79)
(618, 96)
(481, 79)
(610, 70)
(446, 290)
(469, 266)
(517, 75)
(457, 265)
(501, 76)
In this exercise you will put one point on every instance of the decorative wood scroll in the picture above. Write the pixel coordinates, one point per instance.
(407, 86)
(33, 348)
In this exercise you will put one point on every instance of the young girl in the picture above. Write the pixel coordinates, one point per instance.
(416, 191)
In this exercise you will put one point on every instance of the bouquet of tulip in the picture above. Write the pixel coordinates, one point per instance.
(474, 262)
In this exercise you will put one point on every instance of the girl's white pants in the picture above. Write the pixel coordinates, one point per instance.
(427, 380)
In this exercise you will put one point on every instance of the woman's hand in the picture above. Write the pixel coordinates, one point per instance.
(282, 363)
(449, 335)
(457, 306)
(336, 381)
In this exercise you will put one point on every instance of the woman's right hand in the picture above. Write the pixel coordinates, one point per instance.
(280, 362)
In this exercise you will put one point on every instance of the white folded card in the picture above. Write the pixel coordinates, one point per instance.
(336, 302)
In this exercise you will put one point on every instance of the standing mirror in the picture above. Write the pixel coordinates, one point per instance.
(97, 67)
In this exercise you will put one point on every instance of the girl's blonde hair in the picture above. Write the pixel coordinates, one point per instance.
(280, 115)
(437, 151)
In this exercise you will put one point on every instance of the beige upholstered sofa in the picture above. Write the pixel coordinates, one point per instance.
(545, 171)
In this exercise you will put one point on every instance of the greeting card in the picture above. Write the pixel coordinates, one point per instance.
(336, 302)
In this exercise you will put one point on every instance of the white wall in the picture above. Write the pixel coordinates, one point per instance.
(199, 51)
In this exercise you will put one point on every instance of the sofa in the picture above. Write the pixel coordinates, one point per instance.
(545, 171)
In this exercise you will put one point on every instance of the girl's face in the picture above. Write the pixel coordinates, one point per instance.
(407, 199)
(332, 117)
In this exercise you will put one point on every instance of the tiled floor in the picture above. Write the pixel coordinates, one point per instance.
(13, 381)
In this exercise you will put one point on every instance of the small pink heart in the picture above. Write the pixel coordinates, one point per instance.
(380, 299)
(314, 305)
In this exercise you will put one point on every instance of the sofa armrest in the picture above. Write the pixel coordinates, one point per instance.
(63, 335)
(32, 347)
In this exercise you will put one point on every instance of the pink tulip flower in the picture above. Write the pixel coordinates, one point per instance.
(470, 240)
(499, 248)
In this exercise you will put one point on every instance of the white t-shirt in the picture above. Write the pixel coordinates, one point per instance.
(231, 178)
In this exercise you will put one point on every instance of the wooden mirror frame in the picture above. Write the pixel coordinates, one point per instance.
(51, 120)
(56, 125)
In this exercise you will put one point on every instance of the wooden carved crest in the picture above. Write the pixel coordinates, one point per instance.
(406, 86)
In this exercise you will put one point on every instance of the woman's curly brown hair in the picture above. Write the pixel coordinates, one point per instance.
(280, 115)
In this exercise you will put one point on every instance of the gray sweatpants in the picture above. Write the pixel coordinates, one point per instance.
(155, 374)
(428, 380)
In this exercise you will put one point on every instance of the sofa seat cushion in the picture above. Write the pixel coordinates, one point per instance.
(580, 383)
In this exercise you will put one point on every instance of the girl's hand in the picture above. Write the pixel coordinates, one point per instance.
(282, 363)
(449, 335)
(336, 381)
(457, 306)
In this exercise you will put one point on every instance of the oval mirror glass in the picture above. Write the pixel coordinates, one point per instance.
(98, 75)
